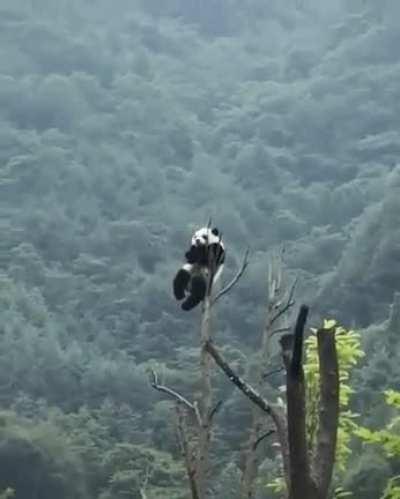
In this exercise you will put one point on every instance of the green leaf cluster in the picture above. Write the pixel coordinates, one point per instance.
(349, 353)
(7, 494)
(387, 440)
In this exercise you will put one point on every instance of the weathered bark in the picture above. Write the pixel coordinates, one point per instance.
(251, 460)
(303, 480)
(237, 380)
(277, 309)
(187, 452)
(197, 458)
(205, 404)
(301, 483)
(324, 456)
(274, 412)
(171, 393)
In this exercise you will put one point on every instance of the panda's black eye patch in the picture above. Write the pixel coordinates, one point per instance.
(205, 238)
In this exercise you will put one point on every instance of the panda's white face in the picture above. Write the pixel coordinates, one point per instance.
(205, 236)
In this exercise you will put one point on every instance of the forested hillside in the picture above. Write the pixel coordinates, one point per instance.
(125, 125)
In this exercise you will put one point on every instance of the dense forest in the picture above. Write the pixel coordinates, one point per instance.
(123, 127)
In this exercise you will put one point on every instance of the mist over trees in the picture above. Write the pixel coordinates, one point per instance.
(124, 125)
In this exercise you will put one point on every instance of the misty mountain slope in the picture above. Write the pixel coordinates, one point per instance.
(122, 129)
(115, 142)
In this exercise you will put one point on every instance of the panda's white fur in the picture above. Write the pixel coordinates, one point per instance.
(205, 235)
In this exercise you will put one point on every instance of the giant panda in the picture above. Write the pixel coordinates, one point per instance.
(190, 282)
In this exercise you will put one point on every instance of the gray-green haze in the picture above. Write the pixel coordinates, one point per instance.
(124, 125)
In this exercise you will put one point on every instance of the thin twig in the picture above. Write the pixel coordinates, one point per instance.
(172, 393)
(239, 274)
(217, 407)
(274, 371)
(290, 302)
(262, 437)
(197, 413)
(279, 331)
(143, 488)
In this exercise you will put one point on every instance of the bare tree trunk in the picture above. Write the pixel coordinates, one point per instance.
(303, 480)
(273, 411)
(277, 309)
(187, 452)
(251, 461)
(196, 454)
(301, 484)
(324, 457)
(205, 403)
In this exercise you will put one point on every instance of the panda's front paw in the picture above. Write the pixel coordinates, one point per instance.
(180, 283)
(192, 255)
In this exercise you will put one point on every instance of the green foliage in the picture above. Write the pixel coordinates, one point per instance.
(340, 493)
(349, 353)
(388, 440)
(121, 129)
(368, 474)
(392, 490)
(7, 494)
(29, 451)
(113, 451)
(126, 465)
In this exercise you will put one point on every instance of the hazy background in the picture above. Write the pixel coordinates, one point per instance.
(123, 126)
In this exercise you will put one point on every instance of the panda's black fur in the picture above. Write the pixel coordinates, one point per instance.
(190, 282)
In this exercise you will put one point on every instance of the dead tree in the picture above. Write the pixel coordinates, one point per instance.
(206, 404)
(279, 303)
(308, 469)
(195, 419)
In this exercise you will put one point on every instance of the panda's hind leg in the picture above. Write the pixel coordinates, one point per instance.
(197, 293)
(180, 283)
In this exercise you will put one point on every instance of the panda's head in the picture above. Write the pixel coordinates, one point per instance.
(206, 236)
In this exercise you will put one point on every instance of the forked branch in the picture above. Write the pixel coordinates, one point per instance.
(172, 393)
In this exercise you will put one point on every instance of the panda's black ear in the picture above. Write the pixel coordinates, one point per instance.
(215, 231)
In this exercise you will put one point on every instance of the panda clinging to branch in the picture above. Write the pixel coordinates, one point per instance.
(204, 261)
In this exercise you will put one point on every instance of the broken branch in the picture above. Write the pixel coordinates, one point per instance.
(172, 393)
(249, 391)
(276, 414)
(217, 407)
